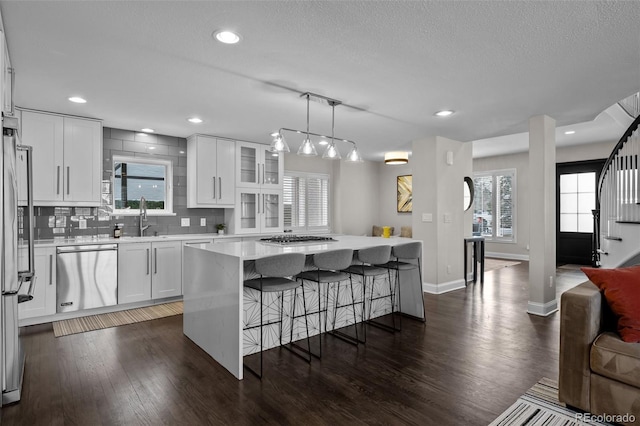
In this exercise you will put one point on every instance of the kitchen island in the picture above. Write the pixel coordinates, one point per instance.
(217, 307)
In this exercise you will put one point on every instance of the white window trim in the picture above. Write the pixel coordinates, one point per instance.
(315, 229)
(168, 165)
(513, 239)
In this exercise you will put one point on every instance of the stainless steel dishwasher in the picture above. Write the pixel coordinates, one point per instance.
(87, 277)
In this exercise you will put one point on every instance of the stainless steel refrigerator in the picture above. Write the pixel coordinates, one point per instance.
(16, 255)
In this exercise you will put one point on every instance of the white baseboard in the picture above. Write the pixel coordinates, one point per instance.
(543, 310)
(443, 287)
(508, 256)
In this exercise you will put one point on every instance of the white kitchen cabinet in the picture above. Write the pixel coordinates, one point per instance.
(67, 158)
(6, 76)
(44, 295)
(134, 272)
(210, 172)
(166, 280)
(257, 167)
(258, 211)
(149, 271)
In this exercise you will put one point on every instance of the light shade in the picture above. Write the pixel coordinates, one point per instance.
(307, 149)
(354, 156)
(331, 153)
(396, 157)
(279, 144)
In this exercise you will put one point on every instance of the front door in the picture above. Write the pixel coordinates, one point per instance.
(575, 199)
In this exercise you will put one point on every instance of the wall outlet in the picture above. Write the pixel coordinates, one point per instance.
(550, 281)
(427, 217)
(185, 221)
(448, 269)
(203, 221)
(82, 224)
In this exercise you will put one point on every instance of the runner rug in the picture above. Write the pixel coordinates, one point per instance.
(115, 319)
(540, 406)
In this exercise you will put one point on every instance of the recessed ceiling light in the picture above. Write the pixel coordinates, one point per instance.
(226, 37)
(569, 132)
(78, 100)
(444, 113)
(147, 130)
(194, 120)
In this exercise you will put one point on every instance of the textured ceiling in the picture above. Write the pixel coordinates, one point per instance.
(393, 64)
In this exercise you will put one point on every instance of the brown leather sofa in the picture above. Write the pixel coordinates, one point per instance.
(599, 373)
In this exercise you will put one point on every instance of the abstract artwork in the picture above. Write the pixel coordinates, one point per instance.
(405, 194)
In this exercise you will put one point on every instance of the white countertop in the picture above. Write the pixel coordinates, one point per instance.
(128, 239)
(251, 250)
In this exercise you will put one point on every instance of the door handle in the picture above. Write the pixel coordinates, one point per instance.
(155, 260)
(50, 269)
(213, 180)
(263, 173)
(220, 187)
(58, 182)
(148, 262)
(68, 178)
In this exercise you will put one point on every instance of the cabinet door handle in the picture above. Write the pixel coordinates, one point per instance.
(68, 178)
(148, 262)
(263, 173)
(258, 173)
(50, 269)
(155, 260)
(264, 211)
(220, 187)
(58, 182)
(213, 180)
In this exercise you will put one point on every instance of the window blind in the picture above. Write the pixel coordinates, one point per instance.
(306, 201)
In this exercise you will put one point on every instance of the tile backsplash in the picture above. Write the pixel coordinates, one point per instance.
(65, 222)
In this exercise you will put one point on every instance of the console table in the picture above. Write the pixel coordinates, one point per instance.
(478, 256)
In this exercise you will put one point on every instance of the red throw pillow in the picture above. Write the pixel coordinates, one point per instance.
(621, 288)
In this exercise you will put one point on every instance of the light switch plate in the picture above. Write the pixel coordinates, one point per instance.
(203, 221)
(427, 217)
(185, 221)
(447, 218)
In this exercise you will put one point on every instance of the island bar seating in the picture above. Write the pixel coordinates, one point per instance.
(274, 277)
(328, 270)
(411, 252)
(368, 258)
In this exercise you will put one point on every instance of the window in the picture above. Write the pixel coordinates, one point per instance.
(134, 178)
(494, 205)
(306, 201)
(577, 199)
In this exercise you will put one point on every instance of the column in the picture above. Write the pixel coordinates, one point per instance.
(542, 243)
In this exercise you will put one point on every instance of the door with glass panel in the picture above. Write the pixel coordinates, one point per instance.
(576, 198)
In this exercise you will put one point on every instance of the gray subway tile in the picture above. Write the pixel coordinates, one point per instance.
(114, 144)
(125, 135)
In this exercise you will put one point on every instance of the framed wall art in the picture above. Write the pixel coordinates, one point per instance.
(404, 185)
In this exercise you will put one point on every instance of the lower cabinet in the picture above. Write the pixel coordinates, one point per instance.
(44, 295)
(149, 271)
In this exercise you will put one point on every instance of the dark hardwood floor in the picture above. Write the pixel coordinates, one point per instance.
(476, 355)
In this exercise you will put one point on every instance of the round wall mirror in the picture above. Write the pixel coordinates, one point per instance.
(468, 193)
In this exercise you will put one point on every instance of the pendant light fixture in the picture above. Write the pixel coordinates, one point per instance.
(332, 153)
(307, 149)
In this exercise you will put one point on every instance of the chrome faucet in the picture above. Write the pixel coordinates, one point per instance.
(143, 216)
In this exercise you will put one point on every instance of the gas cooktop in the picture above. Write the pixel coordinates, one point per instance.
(296, 239)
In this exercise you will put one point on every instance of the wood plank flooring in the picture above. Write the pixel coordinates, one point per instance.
(478, 352)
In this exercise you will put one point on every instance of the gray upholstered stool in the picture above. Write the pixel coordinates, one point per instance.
(405, 257)
(368, 259)
(328, 271)
(274, 277)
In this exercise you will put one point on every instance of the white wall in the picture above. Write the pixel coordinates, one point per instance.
(520, 162)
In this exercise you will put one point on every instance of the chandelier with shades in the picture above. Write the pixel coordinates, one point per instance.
(308, 148)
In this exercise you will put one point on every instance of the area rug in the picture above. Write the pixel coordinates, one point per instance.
(490, 264)
(115, 319)
(540, 406)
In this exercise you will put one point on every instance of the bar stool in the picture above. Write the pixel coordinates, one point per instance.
(274, 277)
(411, 252)
(369, 258)
(328, 271)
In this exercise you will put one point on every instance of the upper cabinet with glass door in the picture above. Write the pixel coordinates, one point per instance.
(257, 167)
